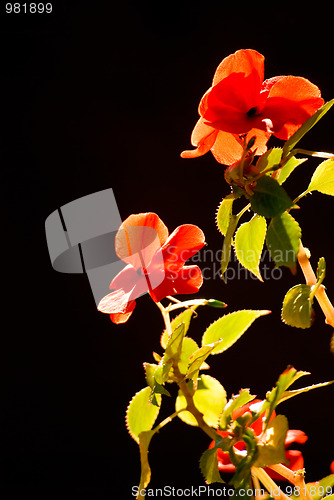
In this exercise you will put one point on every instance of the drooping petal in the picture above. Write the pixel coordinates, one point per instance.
(123, 317)
(115, 302)
(139, 237)
(291, 101)
(243, 61)
(184, 242)
(203, 137)
(188, 279)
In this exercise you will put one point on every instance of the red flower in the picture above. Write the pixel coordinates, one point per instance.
(155, 263)
(294, 458)
(240, 102)
(332, 467)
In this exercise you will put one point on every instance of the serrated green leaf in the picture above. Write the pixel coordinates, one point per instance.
(174, 344)
(224, 213)
(271, 449)
(209, 466)
(227, 245)
(229, 328)
(269, 160)
(185, 318)
(209, 398)
(322, 179)
(283, 240)
(248, 244)
(189, 346)
(234, 403)
(310, 122)
(322, 488)
(198, 358)
(149, 373)
(288, 168)
(297, 307)
(141, 414)
(269, 198)
(290, 394)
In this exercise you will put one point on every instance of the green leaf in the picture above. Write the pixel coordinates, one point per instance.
(209, 398)
(290, 394)
(189, 346)
(209, 466)
(144, 442)
(226, 252)
(185, 318)
(297, 307)
(269, 198)
(288, 168)
(234, 403)
(322, 179)
(174, 345)
(283, 240)
(141, 414)
(230, 327)
(224, 213)
(149, 373)
(271, 450)
(290, 144)
(322, 488)
(269, 160)
(248, 243)
(198, 358)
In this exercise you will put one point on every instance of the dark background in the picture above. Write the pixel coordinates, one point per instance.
(95, 96)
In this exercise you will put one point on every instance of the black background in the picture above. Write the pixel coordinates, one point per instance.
(95, 96)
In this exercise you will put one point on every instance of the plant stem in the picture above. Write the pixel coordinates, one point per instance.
(273, 489)
(296, 478)
(311, 280)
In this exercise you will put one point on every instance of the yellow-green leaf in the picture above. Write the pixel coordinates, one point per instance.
(323, 178)
(141, 414)
(248, 244)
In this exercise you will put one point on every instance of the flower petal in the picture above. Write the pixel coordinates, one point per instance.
(295, 436)
(123, 317)
(228, 148)
(291, 101)
(189, 279)
(182, 244)
(242, 61)
(139, 237)
(203, 136)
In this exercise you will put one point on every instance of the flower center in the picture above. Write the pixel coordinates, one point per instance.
(251, 112)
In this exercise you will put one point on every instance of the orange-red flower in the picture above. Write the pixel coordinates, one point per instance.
(332, 467)
(155, 263)
(241, 102)
(294, 458)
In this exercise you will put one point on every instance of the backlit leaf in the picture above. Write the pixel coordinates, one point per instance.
(283, 240)
(209, 398)
(288, 168)
(227, 245)
(323, 178)
(209, 466)
(271, 449)
(224, 213)
(141, 414)
(248, 243)
(270, 159)
(269, 198)
(297, 307)
(229, 328)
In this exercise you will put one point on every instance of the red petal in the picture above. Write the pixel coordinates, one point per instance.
(242, 61)
(123, 317)
(228, 148)
(230, 100)
(295, 436)
(182, 244)
(139, 237)
(203, 137)
(291, 101)
(187, 280)
(332, 467)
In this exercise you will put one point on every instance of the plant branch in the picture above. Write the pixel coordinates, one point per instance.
(296, 478)
(311, 280)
